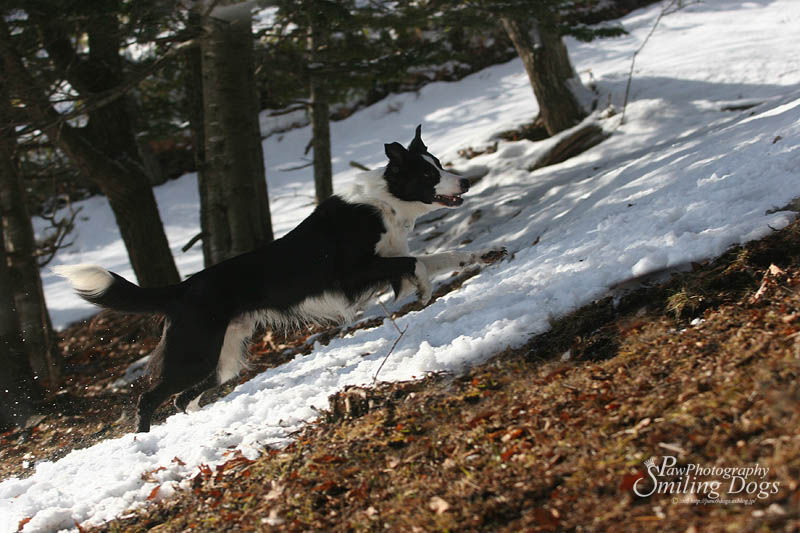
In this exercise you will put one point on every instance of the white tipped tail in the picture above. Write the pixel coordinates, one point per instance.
(88, 280)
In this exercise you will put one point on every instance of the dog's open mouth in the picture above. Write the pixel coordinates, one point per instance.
(449, 201)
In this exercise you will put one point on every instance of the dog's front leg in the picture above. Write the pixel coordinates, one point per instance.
(399, 271)
(422, 281)
(445, 261)
(430, 265)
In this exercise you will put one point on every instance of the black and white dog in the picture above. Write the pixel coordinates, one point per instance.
(324, 270)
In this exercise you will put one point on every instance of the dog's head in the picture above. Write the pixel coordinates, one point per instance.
(414, 175)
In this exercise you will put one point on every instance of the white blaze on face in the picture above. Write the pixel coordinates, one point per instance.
(450, 187)
(449, 184)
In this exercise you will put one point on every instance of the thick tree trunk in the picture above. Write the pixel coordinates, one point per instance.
(321, 132)
(233, 191)
(555, 83)
(320, 121)
(135, 210)
(193, 61)
(18, 390)
(20, 246)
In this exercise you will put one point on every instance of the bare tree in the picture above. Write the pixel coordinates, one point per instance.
(24, 282)
(555, 84)
(234, 212)
(320, 112)
(18, 390)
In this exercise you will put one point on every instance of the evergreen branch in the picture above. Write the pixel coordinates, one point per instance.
(103, 99)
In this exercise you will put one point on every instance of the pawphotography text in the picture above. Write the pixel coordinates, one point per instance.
(698, 484)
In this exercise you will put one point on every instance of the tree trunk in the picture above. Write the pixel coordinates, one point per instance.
(113, 167)
(193, 61)
(555, 84)
(233, 192)
(135, 210)
(18, 390)
(321, 132)
(20, 246)
(320, 120)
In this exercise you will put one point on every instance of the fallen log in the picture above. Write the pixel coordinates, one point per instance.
(571, 145)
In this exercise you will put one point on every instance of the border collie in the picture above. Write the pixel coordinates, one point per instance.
(324, 270)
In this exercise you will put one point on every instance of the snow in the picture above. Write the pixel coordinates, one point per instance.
(680, 181)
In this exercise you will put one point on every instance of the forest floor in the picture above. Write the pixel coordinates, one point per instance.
(701, 369)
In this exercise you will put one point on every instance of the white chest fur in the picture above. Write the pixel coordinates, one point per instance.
(393, 243)
(398, 216)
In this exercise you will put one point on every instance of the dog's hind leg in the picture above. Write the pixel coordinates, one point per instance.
(188, 384)
(148, 402)
(233, 355)
(186, 360)
(232, 359)
(194, 392)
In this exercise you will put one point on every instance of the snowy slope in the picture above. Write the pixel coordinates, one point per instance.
(682, 180)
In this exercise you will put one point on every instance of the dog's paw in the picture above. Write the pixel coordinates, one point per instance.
(422, 282)
(494, 255)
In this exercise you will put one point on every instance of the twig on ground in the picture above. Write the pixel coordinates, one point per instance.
(400, 336)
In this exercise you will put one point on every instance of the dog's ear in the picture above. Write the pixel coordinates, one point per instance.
(396, 154)
(417, 146)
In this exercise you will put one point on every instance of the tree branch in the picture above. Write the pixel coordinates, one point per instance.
(671, 7)
(397, 340)
(47, 248)
(107, 97)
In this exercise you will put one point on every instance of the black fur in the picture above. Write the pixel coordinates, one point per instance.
(409, 176)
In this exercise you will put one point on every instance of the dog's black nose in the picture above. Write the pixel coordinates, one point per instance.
(464, 183)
